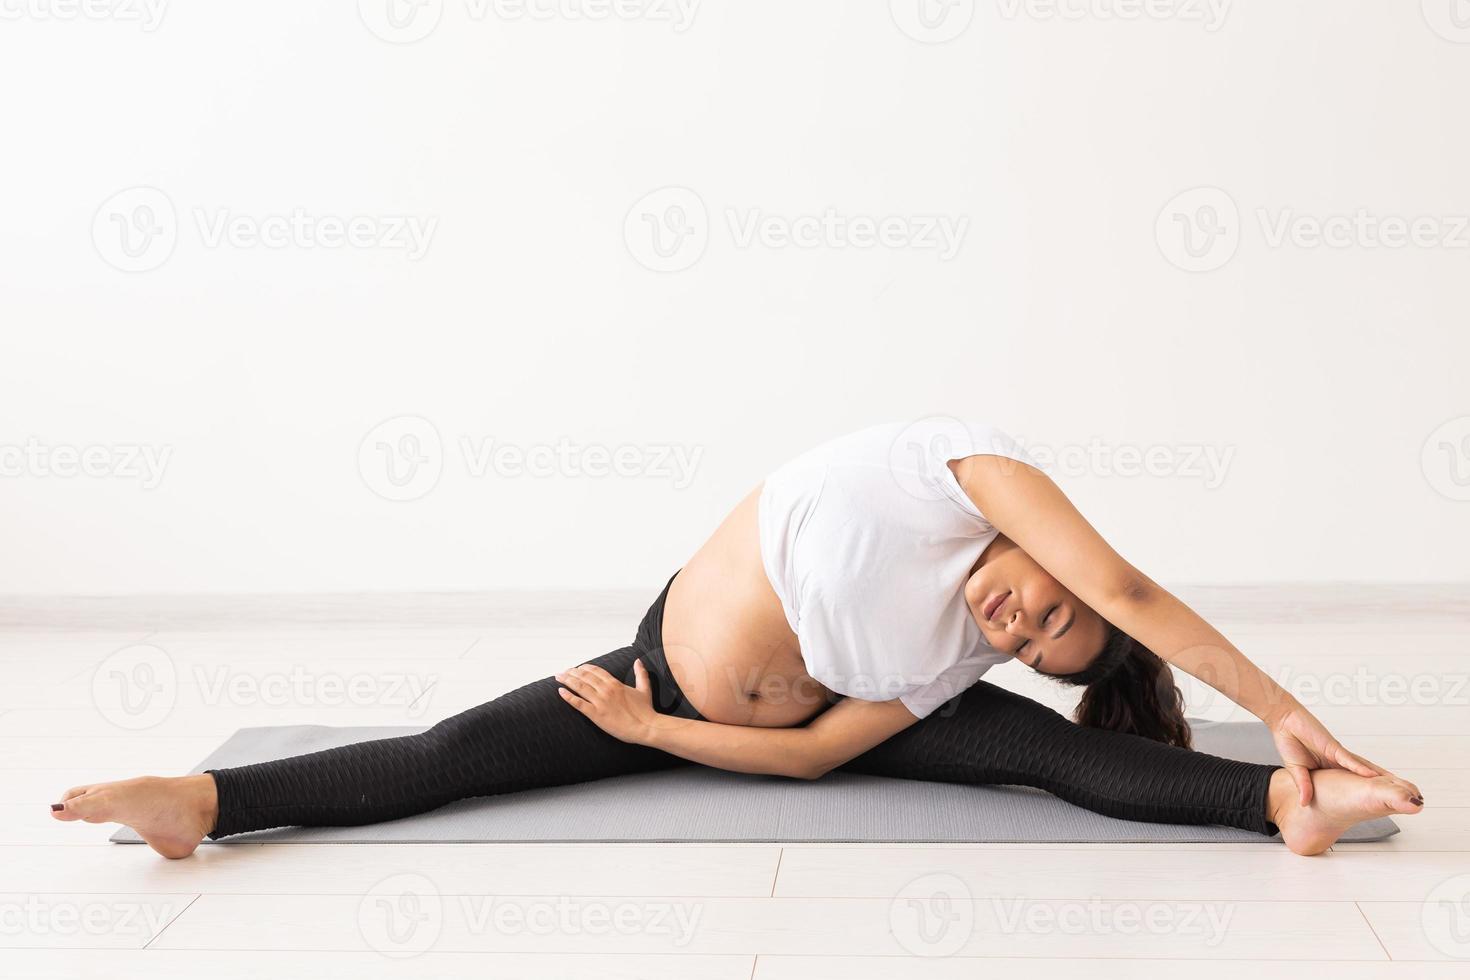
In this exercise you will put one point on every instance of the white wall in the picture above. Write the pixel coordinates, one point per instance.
(1065, 316)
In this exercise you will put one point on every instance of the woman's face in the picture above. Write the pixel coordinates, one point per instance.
(1023, 611)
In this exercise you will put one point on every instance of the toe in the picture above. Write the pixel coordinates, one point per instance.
(1403, 799)
(71, 806)
(64, 810)
(91, 807)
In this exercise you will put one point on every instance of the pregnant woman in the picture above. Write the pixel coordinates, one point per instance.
(840, 618)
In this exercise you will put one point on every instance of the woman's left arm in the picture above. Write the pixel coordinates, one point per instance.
(1027, 507)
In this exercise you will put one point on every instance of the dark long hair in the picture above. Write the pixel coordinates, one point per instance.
(1130, 689)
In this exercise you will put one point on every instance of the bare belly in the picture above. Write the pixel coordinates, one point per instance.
(728, 644)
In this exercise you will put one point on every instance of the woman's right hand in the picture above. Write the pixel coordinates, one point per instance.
(626, 713)
(1304, 744)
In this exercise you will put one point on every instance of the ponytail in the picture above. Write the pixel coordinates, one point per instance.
(1129, 689)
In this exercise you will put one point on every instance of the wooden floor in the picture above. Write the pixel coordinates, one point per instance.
(101, 689)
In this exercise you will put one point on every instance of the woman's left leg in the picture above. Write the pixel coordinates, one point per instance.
(992, 736)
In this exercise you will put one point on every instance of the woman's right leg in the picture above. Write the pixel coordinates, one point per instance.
(525, 739)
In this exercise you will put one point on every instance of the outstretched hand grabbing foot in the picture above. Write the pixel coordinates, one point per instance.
(1340, 799)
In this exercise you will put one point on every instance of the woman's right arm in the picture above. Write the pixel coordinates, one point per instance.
(842, 732)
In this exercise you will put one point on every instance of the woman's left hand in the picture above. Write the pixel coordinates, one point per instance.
(626, 713)
(1305, 744)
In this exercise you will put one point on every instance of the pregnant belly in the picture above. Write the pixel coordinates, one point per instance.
(726, 638)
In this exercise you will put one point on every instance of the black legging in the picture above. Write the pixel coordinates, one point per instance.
(531, 738)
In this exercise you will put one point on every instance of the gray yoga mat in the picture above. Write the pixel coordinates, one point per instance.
(695, 803)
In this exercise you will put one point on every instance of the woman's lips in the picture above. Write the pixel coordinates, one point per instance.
(994, 604)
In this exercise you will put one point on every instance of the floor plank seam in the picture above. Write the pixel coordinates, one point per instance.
(171, 921)
(1367, 922)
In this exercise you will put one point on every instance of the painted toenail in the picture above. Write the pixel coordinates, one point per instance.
(58, 806)
(1416, 800)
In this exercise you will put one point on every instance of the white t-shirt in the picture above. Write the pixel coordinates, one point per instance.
(868, 540)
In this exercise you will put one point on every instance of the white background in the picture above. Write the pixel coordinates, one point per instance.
(1065, 318)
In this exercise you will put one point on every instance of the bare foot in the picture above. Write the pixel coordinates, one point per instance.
(172, 814)
(1340, 799)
